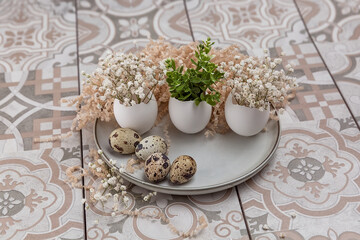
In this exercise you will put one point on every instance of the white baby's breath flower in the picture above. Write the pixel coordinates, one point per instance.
(288, 66)
(142, 95)
(126, 101)
(112, 180)
(278, 60)
(118, 72)
(106, 83)
(99, 71)
(162, 82)
(265, 227)
(97, 196)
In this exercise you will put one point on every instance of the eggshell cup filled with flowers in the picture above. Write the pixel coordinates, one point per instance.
(130, 79)
(255, 84)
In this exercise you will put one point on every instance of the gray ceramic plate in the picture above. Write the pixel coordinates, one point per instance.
(223, 161)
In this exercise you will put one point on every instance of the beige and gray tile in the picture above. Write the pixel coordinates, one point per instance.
(343, 61)
(36, 200)
(331, 20)
(249, 24)
(37, 34)
(31, 107)
(311, 186)
(128, 25)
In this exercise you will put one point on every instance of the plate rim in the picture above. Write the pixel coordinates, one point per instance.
(191, 191)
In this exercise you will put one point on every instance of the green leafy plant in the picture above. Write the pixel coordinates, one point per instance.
(195, 84)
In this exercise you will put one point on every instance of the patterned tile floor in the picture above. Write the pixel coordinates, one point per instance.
(43, 44)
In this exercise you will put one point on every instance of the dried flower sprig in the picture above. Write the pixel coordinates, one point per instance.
(112, 185)
(256, 82)
(112, 188)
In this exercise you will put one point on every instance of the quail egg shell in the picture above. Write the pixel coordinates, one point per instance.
(182, 169)
(157, 167)
(150, 145)
(124, 140)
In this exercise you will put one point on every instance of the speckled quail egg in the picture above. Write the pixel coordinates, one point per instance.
(157, 167)
(150, 145)
(182, 169)
(124, 140)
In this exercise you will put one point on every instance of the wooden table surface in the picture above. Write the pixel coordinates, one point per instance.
(44, 44)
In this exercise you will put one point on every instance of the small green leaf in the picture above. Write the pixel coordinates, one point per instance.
(196, 90)
(195, 80)
(197, 101)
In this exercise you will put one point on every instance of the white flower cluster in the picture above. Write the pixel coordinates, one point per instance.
(112, 187)
(128, 77)
(256, 82)
(112, 182)
(149, 196)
